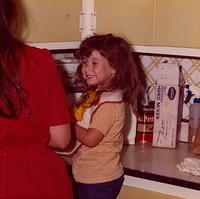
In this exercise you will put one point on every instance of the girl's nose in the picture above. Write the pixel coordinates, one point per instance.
(88, 67)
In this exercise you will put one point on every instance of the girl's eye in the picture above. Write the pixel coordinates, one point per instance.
(84, 62)
(94, 63)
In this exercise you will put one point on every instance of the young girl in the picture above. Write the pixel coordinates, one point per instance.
(111, 77)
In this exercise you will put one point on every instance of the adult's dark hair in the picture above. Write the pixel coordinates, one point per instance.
(119, 55)
(11, 93)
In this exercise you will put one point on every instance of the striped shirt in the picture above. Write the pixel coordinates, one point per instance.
(102, 163)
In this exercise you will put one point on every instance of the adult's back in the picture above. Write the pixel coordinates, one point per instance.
(33, 116)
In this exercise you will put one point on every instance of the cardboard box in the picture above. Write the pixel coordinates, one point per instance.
(168, 105)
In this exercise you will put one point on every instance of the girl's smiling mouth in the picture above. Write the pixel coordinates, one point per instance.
(88, 77)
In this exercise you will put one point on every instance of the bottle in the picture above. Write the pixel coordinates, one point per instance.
(196, 144)
(194, 114)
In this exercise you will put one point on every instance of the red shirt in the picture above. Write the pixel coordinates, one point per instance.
(27, 166)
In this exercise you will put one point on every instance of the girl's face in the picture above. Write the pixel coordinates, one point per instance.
(96, 70)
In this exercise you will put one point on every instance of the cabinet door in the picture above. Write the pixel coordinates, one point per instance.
(51, 20)
(132, 19)
(178, 23)
(134, 192)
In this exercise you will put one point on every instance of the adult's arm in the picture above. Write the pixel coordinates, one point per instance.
(60, 136)
(59, 117)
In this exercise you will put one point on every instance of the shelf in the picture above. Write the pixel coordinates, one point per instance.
(188, 52)
(163, 50)
(57, 45)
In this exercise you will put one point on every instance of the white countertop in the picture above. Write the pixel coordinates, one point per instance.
(159, 164)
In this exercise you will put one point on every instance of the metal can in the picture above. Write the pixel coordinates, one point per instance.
(145, 120)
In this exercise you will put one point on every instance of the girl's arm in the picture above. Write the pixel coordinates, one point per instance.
(89, 137)
(60, 136)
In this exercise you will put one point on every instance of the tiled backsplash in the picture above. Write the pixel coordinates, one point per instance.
(190, 69)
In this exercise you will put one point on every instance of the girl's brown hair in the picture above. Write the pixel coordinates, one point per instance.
(120, 56)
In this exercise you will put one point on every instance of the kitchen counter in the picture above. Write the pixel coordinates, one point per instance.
(159, 164)
(154, 169)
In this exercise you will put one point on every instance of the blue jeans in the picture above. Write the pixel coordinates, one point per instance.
(105, 190)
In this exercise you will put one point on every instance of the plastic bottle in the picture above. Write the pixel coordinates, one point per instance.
(194, 113)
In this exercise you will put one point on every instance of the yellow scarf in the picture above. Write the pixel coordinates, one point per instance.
(86, 100)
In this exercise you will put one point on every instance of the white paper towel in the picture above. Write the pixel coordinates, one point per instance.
(190, 165)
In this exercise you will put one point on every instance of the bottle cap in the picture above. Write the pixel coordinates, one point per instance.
(196, 100)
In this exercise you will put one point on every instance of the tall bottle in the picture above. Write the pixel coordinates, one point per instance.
(194, 114)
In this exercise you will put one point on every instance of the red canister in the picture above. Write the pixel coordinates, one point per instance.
(145, 119)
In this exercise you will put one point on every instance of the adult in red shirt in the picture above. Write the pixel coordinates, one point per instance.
(33, 116)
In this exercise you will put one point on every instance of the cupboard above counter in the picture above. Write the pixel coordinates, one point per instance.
(177, 23)
(152, 26)
(50, 20)
(174, 23)
(134, 20)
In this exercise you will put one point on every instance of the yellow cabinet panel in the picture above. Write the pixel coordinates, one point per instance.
(128, 192)
(132, 19)
(51, 20)
(178, 23)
